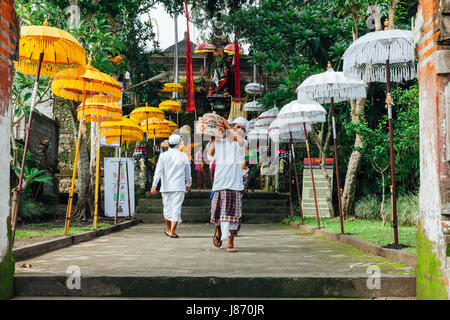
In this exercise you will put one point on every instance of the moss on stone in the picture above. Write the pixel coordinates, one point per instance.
(429, 282)
(7, 268)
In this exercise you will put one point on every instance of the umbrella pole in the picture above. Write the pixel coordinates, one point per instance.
(25, 148)
(290, 185)
(77, 151)
(296, 178)
(154, 146)
(146, 159)
(204, 68)
(391, 151)
(312, 176)
(128, 184)
(337, 165)
(97, 178)
(118, 178)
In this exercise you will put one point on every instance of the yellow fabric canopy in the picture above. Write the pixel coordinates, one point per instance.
(172, 87)
(160, 134)
(172, 126)
(170, 105)
(116, 128)
(127, 138)
(98, 109)
(92, 83)
(143, 113)
(154, 125)
(60, 51)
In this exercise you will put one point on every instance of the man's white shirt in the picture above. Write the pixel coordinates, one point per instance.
(228, 172)
(174, 171)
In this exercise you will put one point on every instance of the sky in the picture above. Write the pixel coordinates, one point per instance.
(165, 30)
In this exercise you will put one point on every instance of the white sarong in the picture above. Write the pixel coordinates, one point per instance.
(172, 202)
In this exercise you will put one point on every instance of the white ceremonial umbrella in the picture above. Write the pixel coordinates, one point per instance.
(253, 106)
(297, 114)
(383, 56)
(254, 88)
(266, 118)
(251, 124)
(330, 87)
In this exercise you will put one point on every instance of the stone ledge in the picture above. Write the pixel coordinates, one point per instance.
(391, 254)
(40, 248)
(214, 287)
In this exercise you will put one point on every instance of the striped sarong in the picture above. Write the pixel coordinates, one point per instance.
(226, 206)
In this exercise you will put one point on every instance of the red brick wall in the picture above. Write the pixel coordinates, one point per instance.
(8, 38)
(434, 199)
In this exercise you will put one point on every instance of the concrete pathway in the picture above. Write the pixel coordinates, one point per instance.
(265, 251)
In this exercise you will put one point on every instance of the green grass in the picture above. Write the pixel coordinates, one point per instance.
(54, 230)
(369, 230)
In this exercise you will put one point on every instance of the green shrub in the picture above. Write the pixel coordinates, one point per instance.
(31, 210)
(368, 208)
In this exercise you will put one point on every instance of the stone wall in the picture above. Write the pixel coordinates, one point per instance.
(8, 38)
(433, 45)
(43, 144)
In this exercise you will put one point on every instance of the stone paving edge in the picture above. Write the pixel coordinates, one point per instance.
(391, 254)
(43, 247)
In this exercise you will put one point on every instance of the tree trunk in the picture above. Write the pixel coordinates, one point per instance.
(84, 196)
(392, 6)
(348, 196)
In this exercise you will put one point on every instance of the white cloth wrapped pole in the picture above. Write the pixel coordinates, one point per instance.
(297, 112)
(331, 84)
(365, 58)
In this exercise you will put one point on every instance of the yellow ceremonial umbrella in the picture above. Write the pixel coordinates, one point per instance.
(172, 87)
(154, 126)
(44, 50)
(91, 83)
(124, 130)
(148, 114)
(170, 105)
(98, 109)
(172, 126)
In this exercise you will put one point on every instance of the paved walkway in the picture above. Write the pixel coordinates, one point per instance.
(265, 250)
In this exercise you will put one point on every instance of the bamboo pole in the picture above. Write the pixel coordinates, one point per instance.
(97, 178)
(77, 151)
(25, 149)
(296, 177)
(391, 151)
(128, 184)
(312, 176)
(118, 178)
(337, 166)
(290, 184)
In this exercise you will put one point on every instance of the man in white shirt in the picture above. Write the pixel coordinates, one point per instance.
(226, 209)
(174, 171)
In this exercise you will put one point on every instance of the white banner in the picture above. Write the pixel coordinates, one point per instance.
(111, 168)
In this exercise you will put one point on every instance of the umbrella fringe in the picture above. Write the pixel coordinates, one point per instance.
(322, 94)
(48, 69)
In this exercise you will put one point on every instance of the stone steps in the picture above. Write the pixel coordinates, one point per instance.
(257, 207)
